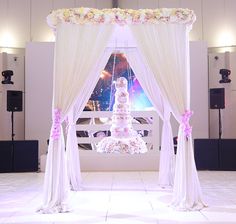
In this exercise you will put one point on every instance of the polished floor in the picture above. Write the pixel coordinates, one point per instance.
(117, 198)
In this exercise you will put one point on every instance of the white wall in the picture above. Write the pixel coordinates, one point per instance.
(199, 89)
(25, 20)
(215, 22)
(14, 62)
(38, 92)
(217, 62)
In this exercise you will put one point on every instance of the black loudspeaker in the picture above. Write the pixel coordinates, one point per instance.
(217, 98)
(19, 156)
(25, 156)
(227, 149)
(6, 154)
(14, 100)
(215, 154)
(206, 154)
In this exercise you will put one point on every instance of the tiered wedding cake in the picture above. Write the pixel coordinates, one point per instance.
(123, 138)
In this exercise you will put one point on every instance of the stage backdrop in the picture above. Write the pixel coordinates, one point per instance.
(39, 95)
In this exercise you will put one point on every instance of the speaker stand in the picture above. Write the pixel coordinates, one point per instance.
(219, 140)
(12, 139)
(220, 125)
(12, 125)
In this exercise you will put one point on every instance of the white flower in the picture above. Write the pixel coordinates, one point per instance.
(120, 16)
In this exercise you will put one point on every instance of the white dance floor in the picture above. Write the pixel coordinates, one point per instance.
(117, 198)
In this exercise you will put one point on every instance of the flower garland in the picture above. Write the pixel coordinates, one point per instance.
(120, 16)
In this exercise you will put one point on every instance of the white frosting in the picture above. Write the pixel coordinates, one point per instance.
(123, 138)
(121, 119)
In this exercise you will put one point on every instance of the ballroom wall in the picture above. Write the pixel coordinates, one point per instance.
(217, 61)
(25, 20)
(38, 88)
(16, 63)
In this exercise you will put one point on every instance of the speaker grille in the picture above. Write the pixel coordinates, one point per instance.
(14, 100)
(217, 98)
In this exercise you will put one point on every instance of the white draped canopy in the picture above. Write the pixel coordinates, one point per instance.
(161, 64)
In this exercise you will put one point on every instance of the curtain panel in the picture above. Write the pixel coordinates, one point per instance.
(72, 152)
(151, 89)
(165, 48)
(77, 50)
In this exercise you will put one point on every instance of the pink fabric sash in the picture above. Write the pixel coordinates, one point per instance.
(185, 121)
(56, 124)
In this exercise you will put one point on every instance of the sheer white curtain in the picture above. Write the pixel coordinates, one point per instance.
(167, 156)
(72, 152)
(151, 89)
(165, 47)
(77, 50)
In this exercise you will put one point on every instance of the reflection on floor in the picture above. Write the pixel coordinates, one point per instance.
(117, 197)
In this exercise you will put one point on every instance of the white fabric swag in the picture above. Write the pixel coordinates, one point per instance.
(77, 50)
(72, 152)
(166, 177)
(151, 89)
(164, 49)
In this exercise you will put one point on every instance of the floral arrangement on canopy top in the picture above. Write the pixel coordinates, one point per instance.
(120, 16)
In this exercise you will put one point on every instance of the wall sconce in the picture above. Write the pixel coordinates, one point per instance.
(7, 74)
(225, 76)
(226, 72)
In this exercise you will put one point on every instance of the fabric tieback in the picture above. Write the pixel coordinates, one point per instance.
(68, 124)
(185, 121)
(56, 124)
